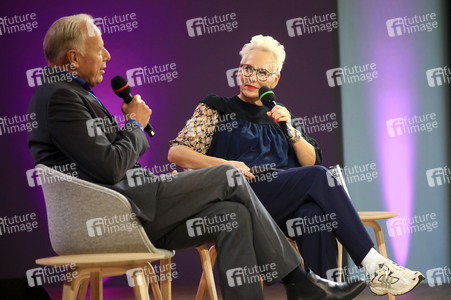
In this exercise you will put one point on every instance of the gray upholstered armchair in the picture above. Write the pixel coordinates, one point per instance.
(94, 228)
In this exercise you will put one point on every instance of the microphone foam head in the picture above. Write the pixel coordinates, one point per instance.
(120, 86)
(266, 95)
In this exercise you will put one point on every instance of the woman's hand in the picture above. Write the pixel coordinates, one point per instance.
(243, 168)
(280, 114)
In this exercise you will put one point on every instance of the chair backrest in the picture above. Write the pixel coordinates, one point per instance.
(337, 171)
(86, 218)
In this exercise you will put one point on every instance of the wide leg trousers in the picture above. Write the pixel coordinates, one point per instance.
(314, 212)
(196, 208)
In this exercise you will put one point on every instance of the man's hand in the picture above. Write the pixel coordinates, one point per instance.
(137, 110)
(242, 167)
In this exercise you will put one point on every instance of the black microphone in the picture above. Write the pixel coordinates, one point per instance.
(268, 98)
(122, 89)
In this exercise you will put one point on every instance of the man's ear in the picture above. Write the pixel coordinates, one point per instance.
(73, 57)
(275, 81)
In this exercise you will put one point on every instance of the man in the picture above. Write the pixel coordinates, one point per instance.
(65, 105)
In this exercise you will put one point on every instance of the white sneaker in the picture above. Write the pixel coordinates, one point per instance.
(394, 279)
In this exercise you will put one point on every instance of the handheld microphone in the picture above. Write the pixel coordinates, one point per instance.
(122, 89)
(268, 98)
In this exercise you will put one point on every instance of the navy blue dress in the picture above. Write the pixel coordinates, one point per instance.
(254, 138)
(300, 199)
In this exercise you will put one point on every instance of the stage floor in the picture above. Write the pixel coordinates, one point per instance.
(422, 292)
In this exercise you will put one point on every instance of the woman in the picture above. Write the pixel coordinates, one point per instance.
(300, 197)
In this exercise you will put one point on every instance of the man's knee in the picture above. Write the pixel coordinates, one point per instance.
(236, 211)
(231, 217)
(230, 176)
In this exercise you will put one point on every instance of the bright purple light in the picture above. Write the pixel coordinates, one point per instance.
(392, 97)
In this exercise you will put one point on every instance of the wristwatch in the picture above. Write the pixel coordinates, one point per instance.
(293, 138)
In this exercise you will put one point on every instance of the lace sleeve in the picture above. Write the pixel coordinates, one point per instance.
(198, 131)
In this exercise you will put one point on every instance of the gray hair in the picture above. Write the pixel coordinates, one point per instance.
(268, 44)
(66, 33)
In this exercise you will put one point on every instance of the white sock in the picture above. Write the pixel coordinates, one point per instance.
(370, 260)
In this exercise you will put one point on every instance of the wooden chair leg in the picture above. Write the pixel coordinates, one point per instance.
(140, 288)
(380, 243)
(212, 253)
(96, 286)
(70, 290)
(379, 236)
(207, 280)
(340, 260)
(201, 289)
(83, 289)
(153, 281)
(78, 283)
(165, 279)
(295, 246)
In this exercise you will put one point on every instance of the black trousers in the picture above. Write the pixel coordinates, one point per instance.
(198, 206)
(315, 212)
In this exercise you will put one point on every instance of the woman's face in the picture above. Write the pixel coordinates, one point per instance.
(257, 70)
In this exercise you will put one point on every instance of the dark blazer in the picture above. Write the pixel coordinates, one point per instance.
(67, 134)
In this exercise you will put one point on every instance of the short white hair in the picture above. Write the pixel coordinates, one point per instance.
(268, 44)
(66, 33)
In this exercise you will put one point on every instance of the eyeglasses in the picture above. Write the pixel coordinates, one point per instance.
(249, 70)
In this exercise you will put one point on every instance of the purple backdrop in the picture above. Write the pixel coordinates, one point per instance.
(158, 35)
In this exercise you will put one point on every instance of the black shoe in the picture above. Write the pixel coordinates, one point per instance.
(314, 287)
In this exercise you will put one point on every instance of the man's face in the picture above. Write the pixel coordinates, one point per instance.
(91, 66)
(263, 63)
